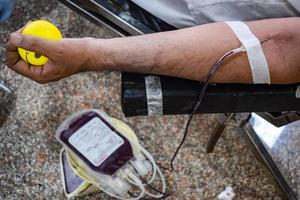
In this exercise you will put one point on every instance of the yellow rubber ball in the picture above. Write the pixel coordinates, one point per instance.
(42, 29)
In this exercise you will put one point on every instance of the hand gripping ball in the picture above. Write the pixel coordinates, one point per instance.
(42, 29)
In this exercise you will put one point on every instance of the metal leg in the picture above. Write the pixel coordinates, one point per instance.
(6, 101)
(262, 153)
(222, 120)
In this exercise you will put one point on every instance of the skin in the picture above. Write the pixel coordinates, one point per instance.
(186, 53)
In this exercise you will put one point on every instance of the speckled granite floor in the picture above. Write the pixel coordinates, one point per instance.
(29, 159)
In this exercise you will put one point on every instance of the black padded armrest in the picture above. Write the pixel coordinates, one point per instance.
(179, 96)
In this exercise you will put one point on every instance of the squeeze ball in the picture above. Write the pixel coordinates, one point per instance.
(42, 29)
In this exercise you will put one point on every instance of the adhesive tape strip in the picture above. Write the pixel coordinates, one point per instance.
(298, 92)
(154, 95)
(257, 60)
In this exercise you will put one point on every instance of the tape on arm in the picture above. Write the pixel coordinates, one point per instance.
(257, 60)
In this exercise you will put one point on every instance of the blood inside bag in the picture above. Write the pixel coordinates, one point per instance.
(97, 143)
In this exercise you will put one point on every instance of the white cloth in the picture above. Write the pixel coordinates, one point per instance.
(295, 3)
(186, 13)
(174, 12)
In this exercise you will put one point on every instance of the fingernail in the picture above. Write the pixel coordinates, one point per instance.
(16, 39)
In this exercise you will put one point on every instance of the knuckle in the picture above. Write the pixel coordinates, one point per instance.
(59, 50)
(61, 46)
(33, 43)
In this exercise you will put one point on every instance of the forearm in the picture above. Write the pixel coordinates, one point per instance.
(189, 53)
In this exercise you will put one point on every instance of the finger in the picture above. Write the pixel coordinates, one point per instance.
(47, 74)
(36, 44)
(10, 46)
(29, 71)
(12, 57)
(19, 31)
(50, 73)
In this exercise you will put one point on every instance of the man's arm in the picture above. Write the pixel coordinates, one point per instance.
(186, 53)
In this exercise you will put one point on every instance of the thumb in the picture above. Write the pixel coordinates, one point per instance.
(30, 43)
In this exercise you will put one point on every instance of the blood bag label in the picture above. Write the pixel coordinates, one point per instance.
(96, 141)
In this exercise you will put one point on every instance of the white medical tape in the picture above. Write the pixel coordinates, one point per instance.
(298, 92)
(154, 95)
(257, 60)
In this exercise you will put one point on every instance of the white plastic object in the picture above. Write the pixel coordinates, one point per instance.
(120, 186)
(141, 165)
(227, 194)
